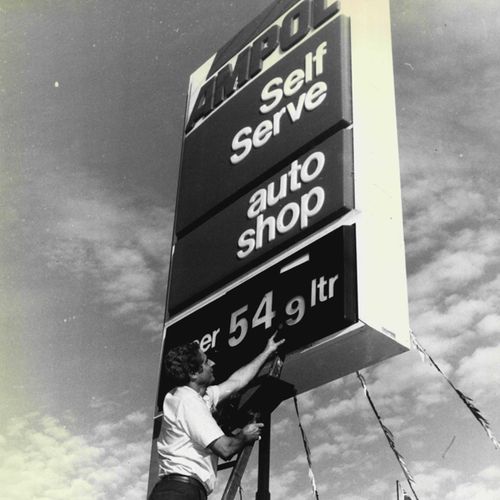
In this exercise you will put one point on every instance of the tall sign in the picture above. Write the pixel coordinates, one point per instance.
(290, 148)
(289, 212)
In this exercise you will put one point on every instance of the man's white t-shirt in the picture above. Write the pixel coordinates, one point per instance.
(188, 427)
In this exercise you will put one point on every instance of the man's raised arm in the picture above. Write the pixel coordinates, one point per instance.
(242, 377)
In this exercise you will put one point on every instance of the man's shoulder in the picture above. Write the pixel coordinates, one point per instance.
(177, 396)
(180, 393)
(212, 396)
(213, 390)
(185, 395)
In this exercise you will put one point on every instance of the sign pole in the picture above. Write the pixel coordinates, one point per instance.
(264, 459)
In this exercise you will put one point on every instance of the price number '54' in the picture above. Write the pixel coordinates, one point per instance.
(264, 315)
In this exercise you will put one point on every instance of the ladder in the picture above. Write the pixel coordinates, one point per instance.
(262, 397)
(239, 466)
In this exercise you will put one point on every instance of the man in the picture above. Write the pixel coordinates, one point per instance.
(190, 439)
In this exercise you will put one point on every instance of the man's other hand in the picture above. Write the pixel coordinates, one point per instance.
(251, 432)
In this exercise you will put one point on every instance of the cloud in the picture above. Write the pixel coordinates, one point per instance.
(430, 479)
(434, 482)
(448, 272)
(121, 248)
(484, 486)
(378, 488)
(351, 497)
(337, 408)
(402, 387)
(306, 401)
(281, 427)
(491, 473)
(282, 483)
(473, 491)
(453, 294)
(489, 325)
(108, 429)
(479, 373)
(41, 458)
(76, 227)
(325, 450)
(438, 206)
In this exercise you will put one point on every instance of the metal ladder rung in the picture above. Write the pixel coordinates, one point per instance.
(226, 465)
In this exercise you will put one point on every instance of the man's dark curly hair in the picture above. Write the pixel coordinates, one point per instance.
(180, 362)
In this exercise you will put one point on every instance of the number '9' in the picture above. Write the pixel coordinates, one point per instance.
(296, 308)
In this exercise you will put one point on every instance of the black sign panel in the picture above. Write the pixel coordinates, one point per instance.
(308, 193)
(277, 115)
(307, 302)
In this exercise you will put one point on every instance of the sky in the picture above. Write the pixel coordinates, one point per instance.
(92, 96)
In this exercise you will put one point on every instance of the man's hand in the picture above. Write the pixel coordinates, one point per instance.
(226, 446)
(272, 345)
(240, 378)
(251, 432)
